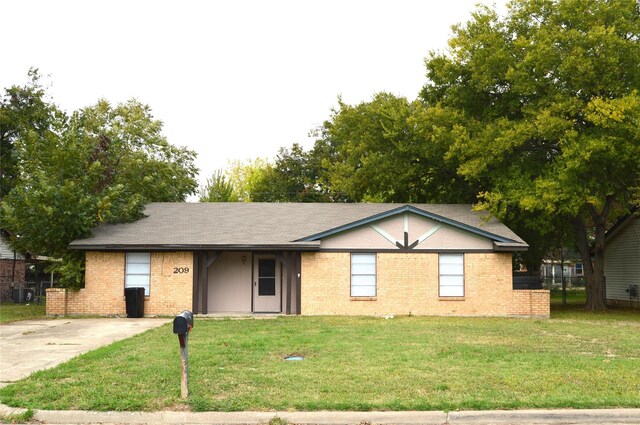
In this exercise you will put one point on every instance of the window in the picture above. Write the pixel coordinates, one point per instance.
(363, 275)
(451, 275)
(138, 271)
(266, 276)
(579, 270)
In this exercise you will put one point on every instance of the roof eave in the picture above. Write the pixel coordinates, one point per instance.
(510, 247)
(314, 246)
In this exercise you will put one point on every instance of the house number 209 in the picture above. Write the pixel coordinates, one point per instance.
(181, 270)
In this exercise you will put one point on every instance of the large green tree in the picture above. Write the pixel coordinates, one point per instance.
(100, 164)
(23, 109)
(549, 98)
(392, 150)
(295, 176)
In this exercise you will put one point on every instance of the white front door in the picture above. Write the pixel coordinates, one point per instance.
(266, 284)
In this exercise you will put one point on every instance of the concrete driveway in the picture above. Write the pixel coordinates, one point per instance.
(32, 345)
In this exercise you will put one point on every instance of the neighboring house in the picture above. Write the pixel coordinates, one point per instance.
(310, 259)
(12, 267)
(569, 267)
(622, 261)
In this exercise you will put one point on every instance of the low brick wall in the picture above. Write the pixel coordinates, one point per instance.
(103, 294)
(531, 302)
(407, 283)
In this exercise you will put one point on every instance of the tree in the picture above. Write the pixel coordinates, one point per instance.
(246, 177)
(549, 96)
(22, 109)
(101, 164)
(217, 188)
(393, 150)
(294, 177)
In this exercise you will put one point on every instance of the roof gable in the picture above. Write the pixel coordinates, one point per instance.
(402, 210)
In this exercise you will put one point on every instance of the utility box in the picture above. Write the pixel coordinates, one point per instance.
(134, 301)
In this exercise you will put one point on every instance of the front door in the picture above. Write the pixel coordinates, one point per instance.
(266, 285)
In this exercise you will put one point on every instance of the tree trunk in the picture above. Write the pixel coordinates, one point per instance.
(593, 267)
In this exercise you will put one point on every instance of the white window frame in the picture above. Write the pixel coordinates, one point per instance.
(581, 273)
(363, 274)
(135, 272)
(451, 281)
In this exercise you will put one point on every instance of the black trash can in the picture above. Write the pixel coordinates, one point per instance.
(134, 300)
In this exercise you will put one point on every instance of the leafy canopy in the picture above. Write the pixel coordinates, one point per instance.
(550, 97)
(100, 164)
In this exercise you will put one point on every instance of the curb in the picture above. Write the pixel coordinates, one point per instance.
(489, 417)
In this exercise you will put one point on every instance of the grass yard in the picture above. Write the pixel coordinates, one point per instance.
(576, 359)
(10, 312)
(576, 296)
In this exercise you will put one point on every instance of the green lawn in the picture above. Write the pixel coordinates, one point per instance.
(10, 312)
(576, 359)
(576, 296)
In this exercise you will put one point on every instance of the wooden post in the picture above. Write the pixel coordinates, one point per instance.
(184, 362)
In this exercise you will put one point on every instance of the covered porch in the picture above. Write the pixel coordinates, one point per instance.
(238, 282)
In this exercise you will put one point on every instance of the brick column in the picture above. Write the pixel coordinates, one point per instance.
(56, 304)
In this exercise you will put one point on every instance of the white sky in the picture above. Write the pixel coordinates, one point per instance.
(229, 79)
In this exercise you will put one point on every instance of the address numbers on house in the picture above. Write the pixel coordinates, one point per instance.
(180, 270)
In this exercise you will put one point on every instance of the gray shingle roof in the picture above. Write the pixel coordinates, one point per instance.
(267, 225)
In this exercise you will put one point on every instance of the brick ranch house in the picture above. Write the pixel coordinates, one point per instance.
(309, 259)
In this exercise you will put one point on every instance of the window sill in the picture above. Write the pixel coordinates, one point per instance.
(364, 298)
(451, 298)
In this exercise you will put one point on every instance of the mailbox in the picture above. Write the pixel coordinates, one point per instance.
(183, 323)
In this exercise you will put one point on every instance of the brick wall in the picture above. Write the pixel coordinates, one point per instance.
(9, 277)
(103, 294)
(407, 283)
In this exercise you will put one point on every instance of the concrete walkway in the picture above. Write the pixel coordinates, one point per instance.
(495, 417)
(31, 345)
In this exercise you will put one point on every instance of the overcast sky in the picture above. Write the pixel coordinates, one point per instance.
(229, 79)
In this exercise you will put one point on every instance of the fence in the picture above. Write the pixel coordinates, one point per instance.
(549, 282)
(27, 292)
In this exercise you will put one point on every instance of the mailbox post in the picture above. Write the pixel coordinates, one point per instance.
(182, 325)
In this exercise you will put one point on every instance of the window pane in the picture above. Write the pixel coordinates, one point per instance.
(451, 281)
(363, 291)
(363, 269)
(451, 291)
(138, 257)
(137, 280)
(360, 280)
(363, 259)
(137, 268)
(266, 286)
(451, 269)
(451, 259)
(267, 267)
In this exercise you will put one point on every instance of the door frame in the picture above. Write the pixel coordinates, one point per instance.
(255, 257)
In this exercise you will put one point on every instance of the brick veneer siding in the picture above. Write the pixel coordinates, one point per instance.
(407, 283)
(10, 278)
(103, 294)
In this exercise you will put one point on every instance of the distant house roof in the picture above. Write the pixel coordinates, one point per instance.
(622, 223)
(193, 226)
(6, 250)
